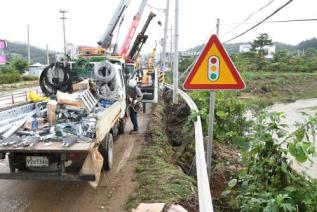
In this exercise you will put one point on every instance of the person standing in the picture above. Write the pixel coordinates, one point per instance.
(135, 97)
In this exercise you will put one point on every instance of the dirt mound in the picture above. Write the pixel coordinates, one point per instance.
(227, 164)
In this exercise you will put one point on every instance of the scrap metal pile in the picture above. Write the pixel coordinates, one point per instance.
(69, 116)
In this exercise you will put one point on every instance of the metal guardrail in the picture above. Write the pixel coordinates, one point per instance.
(204, 195)
(15, 97)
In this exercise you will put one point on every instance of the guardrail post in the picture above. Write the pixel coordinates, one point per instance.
(12, 98)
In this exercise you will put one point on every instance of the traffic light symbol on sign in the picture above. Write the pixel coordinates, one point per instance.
(213, 68)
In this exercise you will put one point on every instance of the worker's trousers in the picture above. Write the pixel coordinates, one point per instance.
(134, 119)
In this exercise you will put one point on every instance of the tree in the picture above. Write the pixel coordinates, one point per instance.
(185, 63)
(282, 56)
(260, 42)
(19, 64)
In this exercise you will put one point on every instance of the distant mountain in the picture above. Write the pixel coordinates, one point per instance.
(38, 55)
(311, 43)
(233, 48)
(283, 46)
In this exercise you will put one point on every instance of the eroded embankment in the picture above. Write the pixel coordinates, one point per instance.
(167, 172)
(162, 173)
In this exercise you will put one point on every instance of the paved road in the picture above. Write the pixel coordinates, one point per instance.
(114, 190)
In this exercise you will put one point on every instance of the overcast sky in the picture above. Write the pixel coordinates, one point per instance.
(87, 20)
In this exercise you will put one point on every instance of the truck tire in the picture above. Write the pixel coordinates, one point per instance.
(106, 148)
(121, 126)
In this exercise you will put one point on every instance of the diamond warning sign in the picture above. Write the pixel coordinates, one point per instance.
(214, 70)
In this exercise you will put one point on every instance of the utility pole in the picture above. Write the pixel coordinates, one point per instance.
(47, 55)
(171, 47)
(163, 62)
(175, 72)
(63, 12)
(212, 99)
(29, 49)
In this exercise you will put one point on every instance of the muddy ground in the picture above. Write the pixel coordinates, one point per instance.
(115, 187)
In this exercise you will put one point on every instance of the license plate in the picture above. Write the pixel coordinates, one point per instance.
(36, 161)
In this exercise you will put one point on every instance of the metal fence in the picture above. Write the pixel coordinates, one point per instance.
(12, 98)
(204, 196)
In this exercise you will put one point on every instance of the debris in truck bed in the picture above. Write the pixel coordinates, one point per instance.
(83, 85)
(66, 118)
(29, 141)
(69, 140)
(51, 112)
(68, 99)
(11, 140)
(35, 97)
(57, 77)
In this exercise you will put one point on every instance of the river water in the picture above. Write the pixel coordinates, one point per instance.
(293, 114)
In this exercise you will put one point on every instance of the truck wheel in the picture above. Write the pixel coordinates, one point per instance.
(106, 148)
(121, 126)
(11, 163)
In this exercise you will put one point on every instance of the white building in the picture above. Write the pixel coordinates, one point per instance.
(244, 48)
(270, 50)
(36, 69)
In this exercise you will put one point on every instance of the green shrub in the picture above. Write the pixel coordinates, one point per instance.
(29, 78)
(230, 120)
(267, 182)
(7, 78)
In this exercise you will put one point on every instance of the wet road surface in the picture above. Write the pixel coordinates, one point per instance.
(114, 189)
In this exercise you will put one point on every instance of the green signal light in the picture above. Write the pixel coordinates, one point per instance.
(213, 76)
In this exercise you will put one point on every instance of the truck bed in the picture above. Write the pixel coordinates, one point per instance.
(105, 121)
(43, 147)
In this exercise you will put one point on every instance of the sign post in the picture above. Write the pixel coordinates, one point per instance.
(212, 100)
(213, 71)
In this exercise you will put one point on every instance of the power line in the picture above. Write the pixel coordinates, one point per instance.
(250, 16)
(279, 21)
(256, 25)
(293, 20)
(155, 8)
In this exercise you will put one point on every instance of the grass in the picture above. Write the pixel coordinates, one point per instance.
(159, 180)
(18, 85)
(270, 87)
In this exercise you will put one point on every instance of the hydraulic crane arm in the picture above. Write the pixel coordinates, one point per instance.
(136, 20)
(141, 38)
(108, 35)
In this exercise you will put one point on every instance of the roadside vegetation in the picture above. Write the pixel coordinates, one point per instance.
(251, 166)
(251, 170)
(11, 75)
(160, 178)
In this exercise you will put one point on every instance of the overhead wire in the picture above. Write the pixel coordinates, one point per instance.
(248, 18)
(155, 8)
(259, 23)
(278, 21)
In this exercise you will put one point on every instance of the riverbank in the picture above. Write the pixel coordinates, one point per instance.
(294, 112)
(267, 88)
